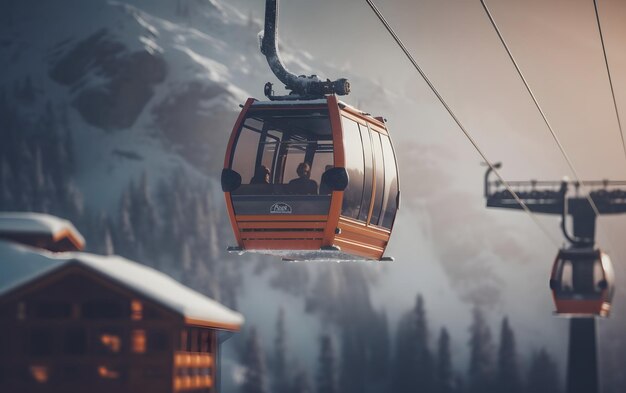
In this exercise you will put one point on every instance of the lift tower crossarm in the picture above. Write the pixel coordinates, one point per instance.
(549, 197)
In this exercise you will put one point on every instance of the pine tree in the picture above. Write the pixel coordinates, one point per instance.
(252, 360)
(403, 378)
(424, 366)
(326, 366)
(377, 336)
(144, 218)
(508, 378)
(279, 361)
(481, 355)
(413, 359)
(126, 232)
(444, 375)
(107, 243)
(543, 376)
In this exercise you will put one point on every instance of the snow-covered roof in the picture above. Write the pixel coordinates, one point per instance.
(41, 224)
(321, 101)
(19, 265)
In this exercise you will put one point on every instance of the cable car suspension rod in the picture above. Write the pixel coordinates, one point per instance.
(491, 166)
(532, 95)
(302, 87)
(608, 72)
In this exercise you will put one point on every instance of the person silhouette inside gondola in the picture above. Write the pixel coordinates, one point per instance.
(303, 185)
(261, 175)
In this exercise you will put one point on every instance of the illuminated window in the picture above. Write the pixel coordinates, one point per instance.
(139, 341)
(111, 343)
(40, 373)
(136, 310)
(107, 372)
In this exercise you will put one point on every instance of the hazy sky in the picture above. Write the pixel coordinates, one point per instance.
(556, 43)
(558, 48)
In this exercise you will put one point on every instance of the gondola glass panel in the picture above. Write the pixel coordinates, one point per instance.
(582, 282)
(379, 173)
(580, 278)
(353, 147)
(271, 146)
(390, 201)
(368, 174)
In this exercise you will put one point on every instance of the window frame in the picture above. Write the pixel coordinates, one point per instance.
(282, 151)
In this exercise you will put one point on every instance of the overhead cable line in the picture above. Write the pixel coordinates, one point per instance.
(608, 72)
(458, 122)
(543, 115)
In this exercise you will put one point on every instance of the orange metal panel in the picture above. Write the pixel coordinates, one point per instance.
(361, 238)
(361, 228)
(336, 201)
(270, 235)
(227, 157)
(231, 217)
(582, 307)
(360, 249)
(292, 244)
(283, 224)
(233, 134)
(282, 217)
(358, 238)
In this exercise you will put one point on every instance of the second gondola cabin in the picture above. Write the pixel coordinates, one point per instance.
(311, 180)
(582, 282)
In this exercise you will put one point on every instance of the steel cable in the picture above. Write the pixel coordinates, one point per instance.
(458, 122)
(608, 72)
(543, 115)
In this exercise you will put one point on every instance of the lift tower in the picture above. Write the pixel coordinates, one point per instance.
(550, 197)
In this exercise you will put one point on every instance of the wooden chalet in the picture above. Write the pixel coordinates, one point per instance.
(77, 322)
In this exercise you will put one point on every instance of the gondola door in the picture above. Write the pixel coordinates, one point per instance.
(370, 202)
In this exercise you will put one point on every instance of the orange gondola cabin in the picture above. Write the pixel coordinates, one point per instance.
(582, 282)
(311, 180)
(306, 176)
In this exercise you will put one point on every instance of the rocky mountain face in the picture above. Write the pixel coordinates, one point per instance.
(116, 115)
